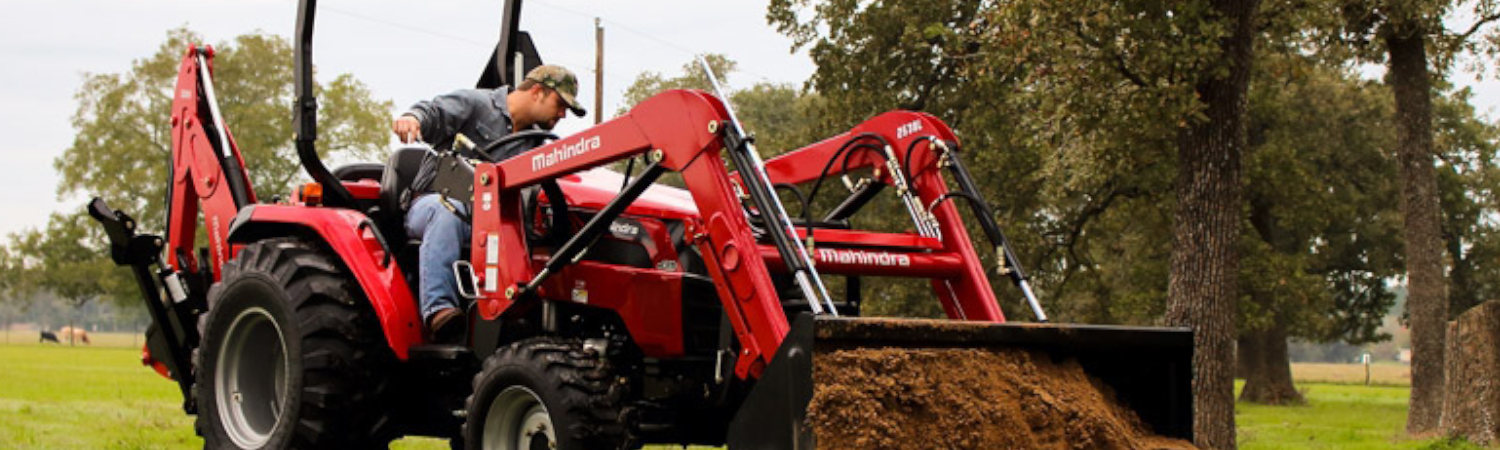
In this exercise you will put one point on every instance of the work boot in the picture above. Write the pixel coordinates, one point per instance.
(445, 326)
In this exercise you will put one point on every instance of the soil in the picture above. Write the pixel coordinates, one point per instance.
(885, 398)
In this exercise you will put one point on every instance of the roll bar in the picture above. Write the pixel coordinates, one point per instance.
(499, 72)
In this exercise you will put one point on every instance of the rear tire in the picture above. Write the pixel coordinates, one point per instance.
(546, 393)
(292, 356)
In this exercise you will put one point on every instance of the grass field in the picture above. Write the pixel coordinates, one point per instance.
(87, 397)
(1381, 374)
(1335, 416)
(100, 397)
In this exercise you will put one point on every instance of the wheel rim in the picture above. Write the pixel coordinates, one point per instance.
(517, 419)
(251, 379)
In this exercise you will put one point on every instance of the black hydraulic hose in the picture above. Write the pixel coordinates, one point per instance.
(906, 159)
(629, 167)
(986, 219)
(843, 169)
(812, 194)
(796, 192)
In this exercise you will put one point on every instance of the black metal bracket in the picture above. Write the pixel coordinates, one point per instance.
(143, 253)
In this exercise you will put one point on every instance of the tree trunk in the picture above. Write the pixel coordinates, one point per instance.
(1426, 298)
(1471, 406)
(1203, 283)
(1269, 372)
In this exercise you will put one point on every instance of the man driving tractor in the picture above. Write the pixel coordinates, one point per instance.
(484, 116)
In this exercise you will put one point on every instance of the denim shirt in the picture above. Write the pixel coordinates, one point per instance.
(480, 114)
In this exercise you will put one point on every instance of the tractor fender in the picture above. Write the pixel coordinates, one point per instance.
(356, 242)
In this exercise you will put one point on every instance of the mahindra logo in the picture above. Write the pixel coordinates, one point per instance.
(564, 152)
(624, 230)
(863, 257)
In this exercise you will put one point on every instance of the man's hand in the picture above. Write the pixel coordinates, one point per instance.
(407, 129)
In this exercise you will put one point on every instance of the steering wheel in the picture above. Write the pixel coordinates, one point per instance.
(558, 226)
(513, 137)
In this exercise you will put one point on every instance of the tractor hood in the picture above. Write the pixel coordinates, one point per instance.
(594, 188)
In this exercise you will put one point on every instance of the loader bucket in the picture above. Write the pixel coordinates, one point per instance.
(1145, 371)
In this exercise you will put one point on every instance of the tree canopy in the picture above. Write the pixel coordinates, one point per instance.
(122, 146)
(123, 139)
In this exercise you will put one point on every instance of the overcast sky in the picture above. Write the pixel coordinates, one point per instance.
(403, 50)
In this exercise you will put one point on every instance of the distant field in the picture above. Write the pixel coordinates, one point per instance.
(99, 397)
(1381, 374)
(100, 339)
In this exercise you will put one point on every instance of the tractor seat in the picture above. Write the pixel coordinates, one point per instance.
(400, 170)
(359, 171)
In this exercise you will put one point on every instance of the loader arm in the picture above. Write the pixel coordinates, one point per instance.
(882, 143)
(684, 131)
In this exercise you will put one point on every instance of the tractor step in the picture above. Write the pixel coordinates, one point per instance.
(440, 352)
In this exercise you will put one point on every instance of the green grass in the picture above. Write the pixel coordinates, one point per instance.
(100, 397)
(1335, 416)
(88, 397)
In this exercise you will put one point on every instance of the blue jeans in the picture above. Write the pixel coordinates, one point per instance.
(443, 235)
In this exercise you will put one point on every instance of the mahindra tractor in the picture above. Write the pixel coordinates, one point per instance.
(604, 309)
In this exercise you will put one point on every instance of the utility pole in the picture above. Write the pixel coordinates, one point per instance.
(598, 72)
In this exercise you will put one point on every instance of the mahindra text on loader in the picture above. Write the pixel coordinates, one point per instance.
(599, 316)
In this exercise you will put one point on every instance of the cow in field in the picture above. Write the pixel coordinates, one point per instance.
(48, 336)
(73, 335)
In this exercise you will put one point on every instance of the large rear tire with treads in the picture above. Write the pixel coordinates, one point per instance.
(292, 355)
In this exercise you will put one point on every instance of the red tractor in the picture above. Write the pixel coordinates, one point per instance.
(604, 310)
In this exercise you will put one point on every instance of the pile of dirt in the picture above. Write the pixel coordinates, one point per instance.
(877, 398)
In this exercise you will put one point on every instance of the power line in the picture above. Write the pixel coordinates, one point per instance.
(419, 30)
(406, 27)
(684, 50)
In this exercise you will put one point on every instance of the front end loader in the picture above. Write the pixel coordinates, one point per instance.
(604, 310)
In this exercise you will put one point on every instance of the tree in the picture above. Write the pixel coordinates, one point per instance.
(1083, 97)
(1203, 286)
(123, 138)
(11, 288)
(1467, 184)
(122, 146)
(1322, 237)
(779, 116)
(1411, 39)
(64, 260)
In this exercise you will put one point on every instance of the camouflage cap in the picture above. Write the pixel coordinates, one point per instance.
(561, 80)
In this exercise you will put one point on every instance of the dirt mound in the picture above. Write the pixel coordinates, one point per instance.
(878, 398)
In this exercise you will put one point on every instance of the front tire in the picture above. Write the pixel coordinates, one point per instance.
(292, 355)
(546, 393)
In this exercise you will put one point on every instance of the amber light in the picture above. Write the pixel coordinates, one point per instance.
(312, 193)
